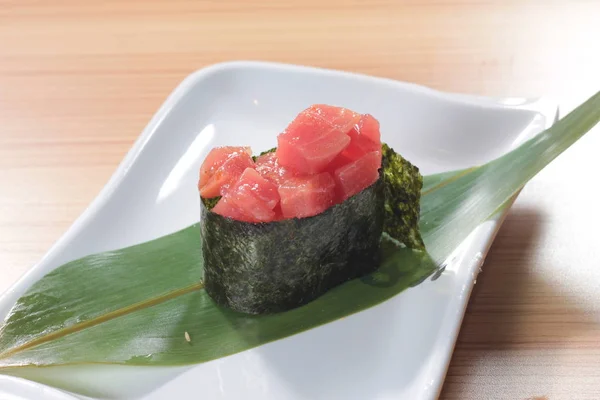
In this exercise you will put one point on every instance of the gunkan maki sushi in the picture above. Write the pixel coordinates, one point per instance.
(282, 228)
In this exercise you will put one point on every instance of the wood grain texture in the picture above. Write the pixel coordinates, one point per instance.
(80, 79)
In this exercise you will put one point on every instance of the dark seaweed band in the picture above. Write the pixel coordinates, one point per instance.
(262, 268)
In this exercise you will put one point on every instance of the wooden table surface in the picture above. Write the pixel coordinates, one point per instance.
(80, 79)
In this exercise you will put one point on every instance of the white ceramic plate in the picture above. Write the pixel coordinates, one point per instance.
(397, 350)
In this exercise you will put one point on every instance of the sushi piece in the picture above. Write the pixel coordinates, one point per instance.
(281, 229)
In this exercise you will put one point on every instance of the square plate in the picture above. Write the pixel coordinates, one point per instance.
(397, 350)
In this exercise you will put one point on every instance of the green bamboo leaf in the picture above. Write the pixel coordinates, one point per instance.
(436, 181)
(147, 333)
(472, 196)
(133, 306)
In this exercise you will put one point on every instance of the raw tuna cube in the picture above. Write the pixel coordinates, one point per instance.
(268, 167)
(217, 157)
(254, 197)
(364, 138)
(227, 209)
(307, 196)
(358, 175)
(340, 117)
(341, 160)
(315, 138)
(222, 168)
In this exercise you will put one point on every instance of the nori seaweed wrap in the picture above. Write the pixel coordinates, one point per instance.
(280, 229)
(270, 267)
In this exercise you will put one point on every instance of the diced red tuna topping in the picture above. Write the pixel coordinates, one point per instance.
(326, 155)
